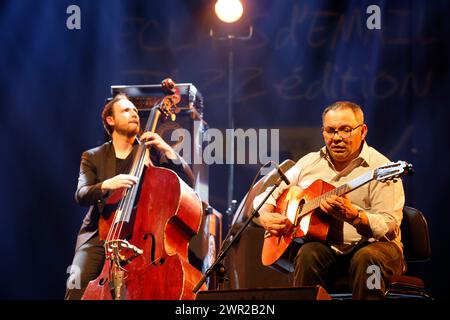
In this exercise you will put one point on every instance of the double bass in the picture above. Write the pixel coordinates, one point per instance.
(146, 230)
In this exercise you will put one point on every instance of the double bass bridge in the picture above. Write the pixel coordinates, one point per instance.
(121, 251)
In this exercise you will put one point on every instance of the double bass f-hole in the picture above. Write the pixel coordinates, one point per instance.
(153, 260)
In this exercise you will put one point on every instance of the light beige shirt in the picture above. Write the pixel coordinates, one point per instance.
(382, 202)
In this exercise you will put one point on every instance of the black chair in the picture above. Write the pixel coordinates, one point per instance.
(417, 248)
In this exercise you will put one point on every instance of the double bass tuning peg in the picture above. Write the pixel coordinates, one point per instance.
(168, 86)
(168, 113)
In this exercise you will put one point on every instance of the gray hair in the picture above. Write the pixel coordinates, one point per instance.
(357, 110)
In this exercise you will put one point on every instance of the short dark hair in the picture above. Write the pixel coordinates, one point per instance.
(357, 110)
(108, 111)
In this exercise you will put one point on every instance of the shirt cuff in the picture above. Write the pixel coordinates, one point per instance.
(377, 224)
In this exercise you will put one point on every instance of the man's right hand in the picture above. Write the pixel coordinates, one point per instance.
(274, 222)
(119, 181)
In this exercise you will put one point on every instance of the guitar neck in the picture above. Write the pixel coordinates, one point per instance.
(339, 191)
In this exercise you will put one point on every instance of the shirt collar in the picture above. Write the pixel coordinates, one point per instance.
(363, 155)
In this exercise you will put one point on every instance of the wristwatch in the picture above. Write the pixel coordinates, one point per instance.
(357, 219)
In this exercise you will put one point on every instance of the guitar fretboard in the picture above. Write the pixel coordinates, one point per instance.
(339, 191)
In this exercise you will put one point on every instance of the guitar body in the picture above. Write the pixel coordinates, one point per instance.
(312, 226)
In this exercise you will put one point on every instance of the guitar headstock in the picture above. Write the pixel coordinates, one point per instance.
(393, 171)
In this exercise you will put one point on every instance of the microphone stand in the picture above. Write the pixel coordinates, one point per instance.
(217, 263)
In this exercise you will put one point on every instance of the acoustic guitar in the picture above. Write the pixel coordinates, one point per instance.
(302, 208)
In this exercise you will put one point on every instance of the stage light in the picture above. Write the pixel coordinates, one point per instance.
(229, 11)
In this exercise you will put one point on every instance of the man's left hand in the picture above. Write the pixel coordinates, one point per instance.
(155, 140)
(339, 207)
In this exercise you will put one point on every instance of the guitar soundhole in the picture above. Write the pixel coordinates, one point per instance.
(102, 282)
(299, 212)
(300, 205)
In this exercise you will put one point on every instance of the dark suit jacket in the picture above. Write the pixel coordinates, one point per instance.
(99, 164)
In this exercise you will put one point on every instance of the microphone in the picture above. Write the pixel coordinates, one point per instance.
(282, 176)
(246, 206)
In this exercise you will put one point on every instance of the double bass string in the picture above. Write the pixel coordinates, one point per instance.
(122, 208)
(136, 170)
(126, 203)
(131, 193)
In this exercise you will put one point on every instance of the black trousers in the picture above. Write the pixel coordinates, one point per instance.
(365, 267)
(87, 264)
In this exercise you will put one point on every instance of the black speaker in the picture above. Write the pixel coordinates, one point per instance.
(290, 293)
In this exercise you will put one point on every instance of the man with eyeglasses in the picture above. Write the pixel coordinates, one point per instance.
(364, 236)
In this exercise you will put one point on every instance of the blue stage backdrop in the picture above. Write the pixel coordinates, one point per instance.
(303, 55)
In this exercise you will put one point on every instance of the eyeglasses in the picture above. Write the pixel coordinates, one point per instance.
(344, 133)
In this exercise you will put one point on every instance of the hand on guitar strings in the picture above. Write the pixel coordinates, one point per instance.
(339, 207)
(274, 222)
